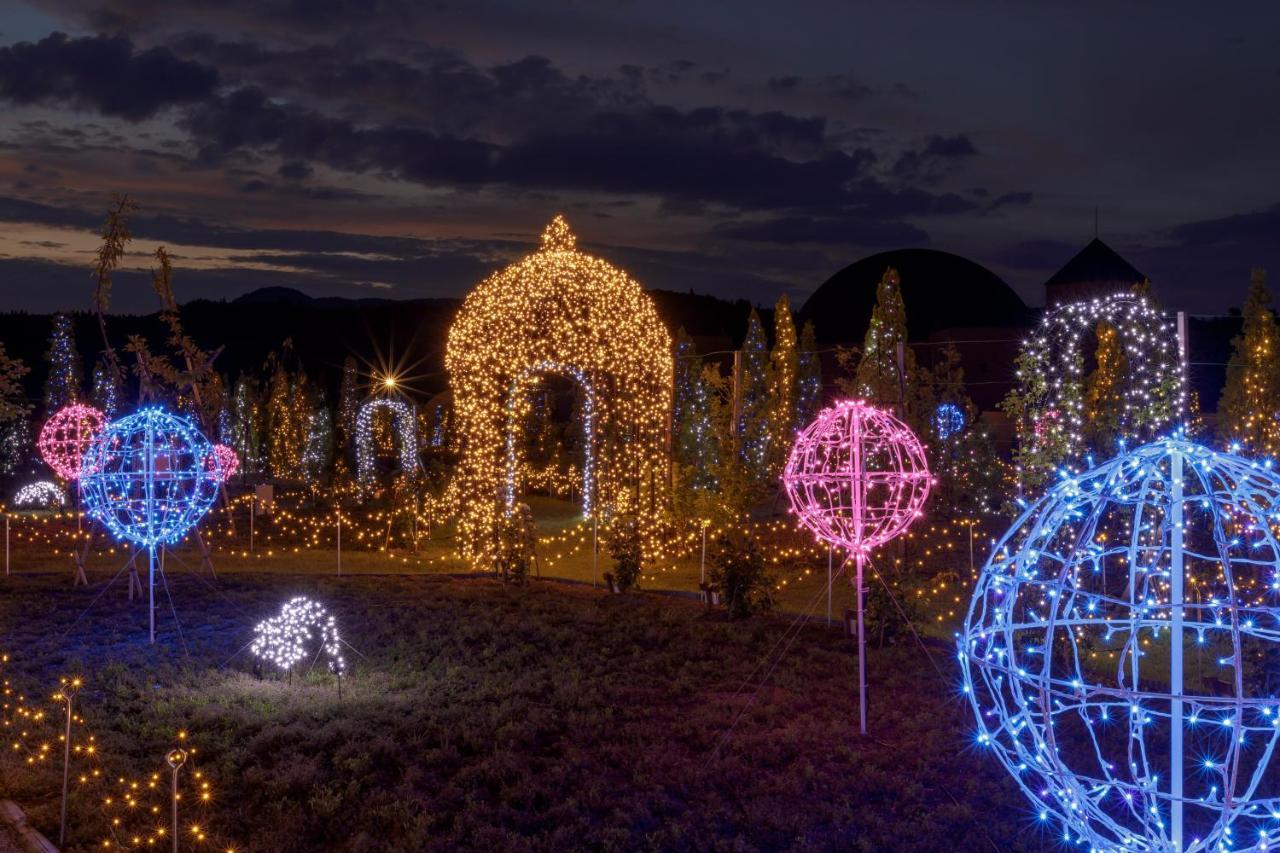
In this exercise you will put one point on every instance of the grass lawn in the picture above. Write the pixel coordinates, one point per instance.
(478, 716)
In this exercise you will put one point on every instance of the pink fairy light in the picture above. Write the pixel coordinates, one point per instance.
(222, 462)
(67, 435)
(857, 476)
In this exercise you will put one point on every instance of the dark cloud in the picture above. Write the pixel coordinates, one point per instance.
(102, 73)
(1037, 255)
(827, 231)
(939, 154)
(1259, 226)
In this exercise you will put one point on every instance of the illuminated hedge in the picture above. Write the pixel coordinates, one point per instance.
(564, 312)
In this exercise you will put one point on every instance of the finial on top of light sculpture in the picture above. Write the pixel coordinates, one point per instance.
(557, 237)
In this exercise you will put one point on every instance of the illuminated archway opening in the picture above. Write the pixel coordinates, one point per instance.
(517, 406)
(405, 431)
(561, 311)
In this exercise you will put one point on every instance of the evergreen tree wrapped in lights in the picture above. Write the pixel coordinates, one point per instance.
(753, 402)
(808, 376)
(246, 425)
(348, 406)
(696, 450)
(15, 430)
(62, 387)
(317, 455)
(1103, 404)
(784, 367)
(1250, 404)
(108, 389)
(962, 450)
(878, 377)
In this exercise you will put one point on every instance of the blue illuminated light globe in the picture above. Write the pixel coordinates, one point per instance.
(1120, 653)
(151, 481)
(948, 419)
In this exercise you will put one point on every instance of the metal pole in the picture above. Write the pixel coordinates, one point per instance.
(972, 521)
(859, 502)
(68, 693)
(830, 557)
(1175, 655)
(6, 544)
(252, 498)
(862, 653)
(176, 758)
(702, 573)
(595, 549)
(151, 588)
(339, 543)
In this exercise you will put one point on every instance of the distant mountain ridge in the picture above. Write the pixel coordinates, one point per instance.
(290, 296)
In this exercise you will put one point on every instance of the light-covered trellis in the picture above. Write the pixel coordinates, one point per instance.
(1050, 398)
(561, 311)
(405, 423)
(1121, 653)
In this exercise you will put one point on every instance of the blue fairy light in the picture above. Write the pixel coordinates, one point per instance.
(1144, 584)
(149, 477)
(948, 420)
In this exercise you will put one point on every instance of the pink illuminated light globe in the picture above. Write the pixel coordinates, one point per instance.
(222, 463)
(857, 476)
(67, 435)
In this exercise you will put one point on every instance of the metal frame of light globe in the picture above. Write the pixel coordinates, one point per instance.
(148, 480)
(1169, 540)
(856, 478)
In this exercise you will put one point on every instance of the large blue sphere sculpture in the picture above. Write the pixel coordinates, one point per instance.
(151, 481)
(1121, 655)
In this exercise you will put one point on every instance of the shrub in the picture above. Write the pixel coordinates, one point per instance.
(624, 547)
(516, 537)
(739, 571)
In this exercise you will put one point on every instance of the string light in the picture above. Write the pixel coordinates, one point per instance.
(1118, 646)
(517, 408)
(223, 463)
(41, 493)
(148, 478)
(1051, 379)
(303, 630)
(948, 419)
(559, 306)
(406, 429)
(66, 436)
(857, 476)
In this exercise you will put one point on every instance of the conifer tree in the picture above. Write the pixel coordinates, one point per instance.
(1104, 389)
(969, 471)
(107, 393)
(1251, 398)
(283, 455)
(348, 406)
(878, 378)
(753, 401)
(784, 367)
(694, 445)
(15, 429)
(808, 377)
(62, 386)
(246, 425)
(317, 454)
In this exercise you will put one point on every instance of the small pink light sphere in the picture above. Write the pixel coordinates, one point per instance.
(222, 463)
(67, 435)
(857, 476)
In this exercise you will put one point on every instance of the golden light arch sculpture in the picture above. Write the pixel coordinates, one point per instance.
(561, 311)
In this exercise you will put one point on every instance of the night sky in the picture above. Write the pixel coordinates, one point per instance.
(747, 148)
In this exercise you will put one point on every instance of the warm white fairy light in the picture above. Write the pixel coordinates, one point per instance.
(41, 493)
(406, 431)
(596, 325)
(304, 630)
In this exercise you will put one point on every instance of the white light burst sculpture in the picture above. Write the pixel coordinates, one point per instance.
(406, 435)
(304, 630)
(1121, 652)
(41, 493)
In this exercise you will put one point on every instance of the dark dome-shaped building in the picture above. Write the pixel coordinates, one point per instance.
(940, 291)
